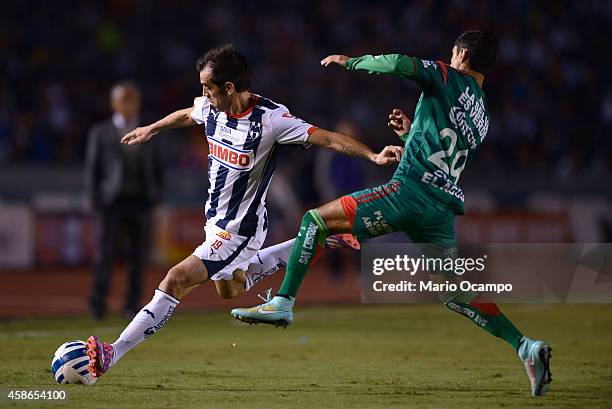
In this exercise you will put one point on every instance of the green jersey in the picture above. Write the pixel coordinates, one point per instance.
(450, 123)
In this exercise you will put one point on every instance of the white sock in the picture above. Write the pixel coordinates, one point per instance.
(146, 323)
(267, 262)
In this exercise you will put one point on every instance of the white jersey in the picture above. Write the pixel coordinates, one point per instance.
(242, 160)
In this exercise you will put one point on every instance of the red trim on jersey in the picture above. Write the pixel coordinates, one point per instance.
(371, 198)
(248, 110)
(385, 190)
(349, 206)
(312, 129)
(444, 72)
(367, 195)
(485, 305)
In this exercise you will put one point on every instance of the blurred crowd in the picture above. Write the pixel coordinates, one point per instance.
(550, 96)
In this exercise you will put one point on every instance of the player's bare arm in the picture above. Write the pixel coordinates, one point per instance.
(177, 119)
(349, 146)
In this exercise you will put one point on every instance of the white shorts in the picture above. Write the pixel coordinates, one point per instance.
(223, 252)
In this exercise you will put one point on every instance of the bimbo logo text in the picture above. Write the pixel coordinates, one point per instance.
(229, 156)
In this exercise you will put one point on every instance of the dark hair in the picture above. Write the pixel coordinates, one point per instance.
(482, 47)
(227, 65)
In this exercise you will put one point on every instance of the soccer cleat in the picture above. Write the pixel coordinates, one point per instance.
(343, 240)
(277, 311)
(536, 357)
(100, 356)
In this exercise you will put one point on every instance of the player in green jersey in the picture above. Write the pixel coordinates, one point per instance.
(450, 122)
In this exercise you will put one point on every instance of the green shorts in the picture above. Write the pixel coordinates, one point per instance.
(397, 206)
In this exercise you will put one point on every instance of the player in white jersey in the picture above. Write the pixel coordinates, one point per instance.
(244, 132)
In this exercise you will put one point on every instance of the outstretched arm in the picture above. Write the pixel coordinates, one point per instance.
(397, 64)
(429, 75)
(177, 119)
(350, 146)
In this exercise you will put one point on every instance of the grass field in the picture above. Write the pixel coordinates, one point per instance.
(420, 356)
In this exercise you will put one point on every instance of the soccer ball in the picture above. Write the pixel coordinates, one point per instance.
(69, 364)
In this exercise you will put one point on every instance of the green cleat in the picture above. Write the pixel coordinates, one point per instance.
(277, 311)
(536, 357)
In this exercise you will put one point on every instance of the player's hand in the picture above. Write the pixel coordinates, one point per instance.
(399, 122)
(389, 156)
(138, 135)
(335, 59)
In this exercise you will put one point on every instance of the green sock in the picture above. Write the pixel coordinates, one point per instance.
(485, 314)
(313, 233)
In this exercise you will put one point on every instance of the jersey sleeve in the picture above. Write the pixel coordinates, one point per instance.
(289, 129)
(200, 110)
(428, 74)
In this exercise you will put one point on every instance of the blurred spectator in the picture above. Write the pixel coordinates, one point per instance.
(336, 174)
(124, 183)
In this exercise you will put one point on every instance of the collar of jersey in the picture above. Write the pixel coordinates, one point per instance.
(248, 110)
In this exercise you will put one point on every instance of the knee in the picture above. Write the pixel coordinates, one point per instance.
(230, 291)
(176, 281)
(314, 217)
(307, 216)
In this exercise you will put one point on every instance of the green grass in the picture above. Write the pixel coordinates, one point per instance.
(419, 356)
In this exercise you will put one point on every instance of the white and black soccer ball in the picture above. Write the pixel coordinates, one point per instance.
(69, 364)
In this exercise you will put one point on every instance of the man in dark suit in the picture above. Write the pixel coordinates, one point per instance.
(123, 184)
